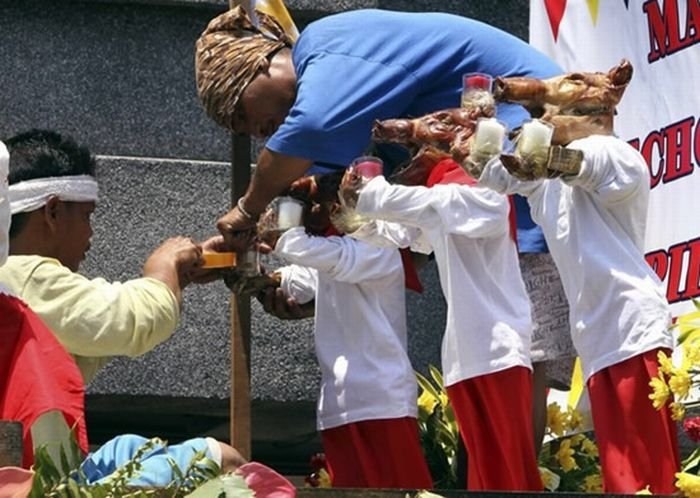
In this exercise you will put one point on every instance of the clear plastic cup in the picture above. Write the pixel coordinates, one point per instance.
(368, 166)
(248, 263)
(477, 90)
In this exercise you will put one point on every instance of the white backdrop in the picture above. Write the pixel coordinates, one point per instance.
(658, 114)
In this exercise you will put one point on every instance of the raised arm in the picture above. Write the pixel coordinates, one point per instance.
(273, 174)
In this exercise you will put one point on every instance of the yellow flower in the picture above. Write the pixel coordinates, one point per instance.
(575, 421)
(645, 491)
(665, 363)
(324, 479)
(576, 440)
(589, 448)
(427, 402)
(688, 484)
(550, 480)
(691, 353)
(680, 383)
(565, 456)
(677, 411)
(555, 419)
(593, 483)
(661, 391)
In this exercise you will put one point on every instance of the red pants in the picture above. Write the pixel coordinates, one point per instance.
(638, 444)
(494, 415)
(376, 454)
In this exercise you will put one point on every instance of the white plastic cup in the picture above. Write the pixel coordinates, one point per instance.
(535, 135)
(289, 213)
(489, 136)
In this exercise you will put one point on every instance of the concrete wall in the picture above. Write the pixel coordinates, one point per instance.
(119, 77)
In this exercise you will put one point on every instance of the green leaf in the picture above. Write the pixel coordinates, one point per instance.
(73, 488)
(427, 494)
(427, 386)
(223, 486)
(691, 462)
(436, 375)
(176, 469)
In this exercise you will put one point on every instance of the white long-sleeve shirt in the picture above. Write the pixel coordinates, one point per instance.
(488, 312)
(594, 224)
(359, 327)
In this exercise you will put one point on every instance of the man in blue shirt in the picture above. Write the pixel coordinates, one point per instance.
(317, 100)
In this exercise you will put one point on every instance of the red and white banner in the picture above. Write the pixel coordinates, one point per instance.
(659, 113)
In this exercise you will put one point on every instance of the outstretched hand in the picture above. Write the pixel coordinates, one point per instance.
(277, 303)
(518, 167)
(556, 162)
(237, 229)
(241, 283)
(173, 262)
(200, 275)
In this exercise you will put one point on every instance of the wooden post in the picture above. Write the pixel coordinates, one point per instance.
(10, 443)
(240, 318)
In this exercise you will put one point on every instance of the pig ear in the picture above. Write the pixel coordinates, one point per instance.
(622, 73)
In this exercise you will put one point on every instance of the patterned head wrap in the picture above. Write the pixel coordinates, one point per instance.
(229, 54)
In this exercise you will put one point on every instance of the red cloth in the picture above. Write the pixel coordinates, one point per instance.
(448, 171)
(494, 415)
(36, 374)
(638, 444)
(410, 273)
(382, 453)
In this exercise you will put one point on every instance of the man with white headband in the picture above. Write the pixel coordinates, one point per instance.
(39, 381)
(52, 193)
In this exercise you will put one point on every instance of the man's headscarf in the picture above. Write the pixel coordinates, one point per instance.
(229, 54)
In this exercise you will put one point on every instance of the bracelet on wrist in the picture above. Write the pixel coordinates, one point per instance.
(244, 211)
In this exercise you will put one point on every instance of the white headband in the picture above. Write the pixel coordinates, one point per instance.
(30, 195)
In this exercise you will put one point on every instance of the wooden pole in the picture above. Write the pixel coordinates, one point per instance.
(240, 422)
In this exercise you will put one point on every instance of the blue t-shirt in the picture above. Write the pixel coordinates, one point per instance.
(360, 66)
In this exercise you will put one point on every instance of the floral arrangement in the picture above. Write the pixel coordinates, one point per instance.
(568, 461)
(569, 458)
(673, 387)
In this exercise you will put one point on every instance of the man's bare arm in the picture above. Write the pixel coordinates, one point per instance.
(273, 174)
